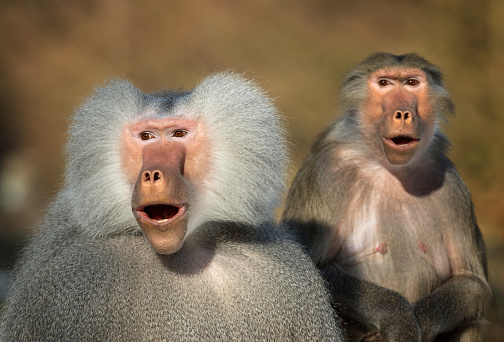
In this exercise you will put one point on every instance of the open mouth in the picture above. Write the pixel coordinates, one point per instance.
(161, 213)
(402, 140)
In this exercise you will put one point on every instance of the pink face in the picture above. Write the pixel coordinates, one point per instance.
(399, 111)
(166, 160)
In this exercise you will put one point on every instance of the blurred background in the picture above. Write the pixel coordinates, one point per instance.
(53, 52)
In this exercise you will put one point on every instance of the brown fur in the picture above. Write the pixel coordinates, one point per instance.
(395, 235)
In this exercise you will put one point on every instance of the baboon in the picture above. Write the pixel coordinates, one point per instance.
(164, 229)
(385, 215)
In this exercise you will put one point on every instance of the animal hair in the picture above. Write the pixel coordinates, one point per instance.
(354, 85)
(89, 274)
(397, 241)
(242, 125)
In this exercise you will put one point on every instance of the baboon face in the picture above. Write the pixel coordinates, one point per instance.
(397, 115)
(165, 159)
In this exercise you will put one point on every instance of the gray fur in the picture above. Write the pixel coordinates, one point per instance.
(89, 274)
(345, 197)
(248, 152)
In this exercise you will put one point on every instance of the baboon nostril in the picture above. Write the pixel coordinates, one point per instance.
(146, 176)
(157, 176)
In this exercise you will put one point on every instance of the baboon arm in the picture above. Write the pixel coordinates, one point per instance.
(459, 301)
(374, 308)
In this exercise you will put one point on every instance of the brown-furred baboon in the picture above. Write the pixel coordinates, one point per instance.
(384, 213)
(164, 228)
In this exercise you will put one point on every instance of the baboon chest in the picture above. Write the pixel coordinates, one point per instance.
(396, 242)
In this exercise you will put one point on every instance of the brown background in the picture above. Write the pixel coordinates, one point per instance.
(53, 52)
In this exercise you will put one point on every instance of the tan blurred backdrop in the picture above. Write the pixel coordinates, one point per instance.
(53, 52)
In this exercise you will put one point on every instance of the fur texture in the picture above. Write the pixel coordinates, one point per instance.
(248, 152)
(89, 274)
(399, 244)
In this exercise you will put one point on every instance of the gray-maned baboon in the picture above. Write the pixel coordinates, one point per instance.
(384, 213)
(164, 229)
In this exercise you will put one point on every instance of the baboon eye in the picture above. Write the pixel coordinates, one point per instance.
(179, 133)
(412, 82)
(383, 82)
(146, 135)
